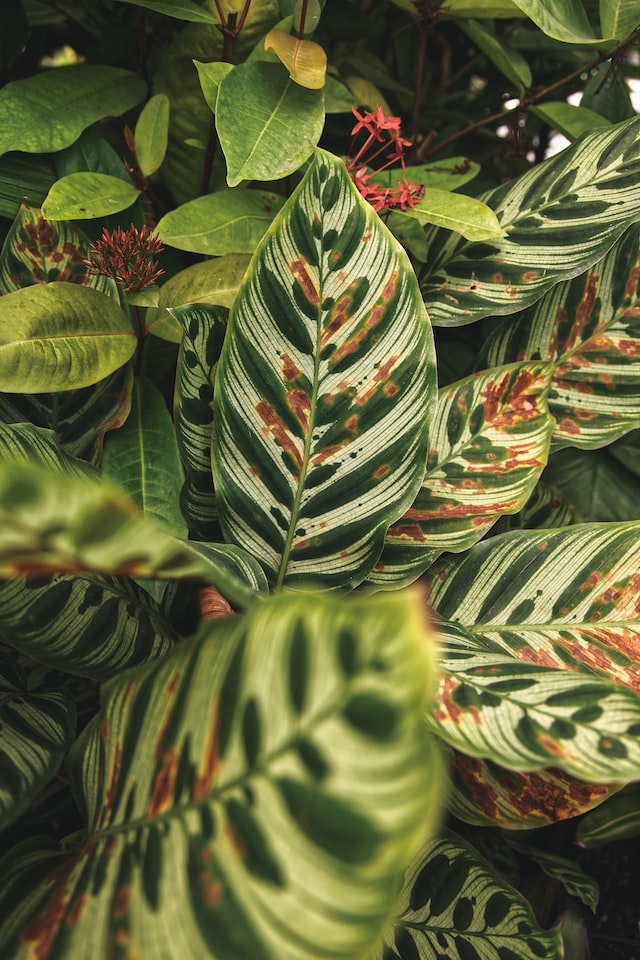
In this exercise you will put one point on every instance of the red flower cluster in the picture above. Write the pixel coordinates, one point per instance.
(383, 143)
(125, 255)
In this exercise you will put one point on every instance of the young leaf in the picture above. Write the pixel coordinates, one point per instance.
(233, 221)
(466, 215)
(488, 444)
(84, 196)
(48, 111)
(142, 456)
(451, 905)
(237, 792)
(151, 133)
(267, 124)
(325, 388)
(542, 661)
(305, 60)
(204, 328)
(587, 327)
(560, 217)
(61, 336)
(38, 727)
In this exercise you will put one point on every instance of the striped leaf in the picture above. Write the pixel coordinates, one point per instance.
(325, 388)
(560, 218)
(488, 444)
(453, 906)
(566, 871)
(39, 251)
(38, 726)
(589, 328)
(63, 524)
(204, 328)
(142, 456)
(25, 443)
(243, 799)
(617, 819)
(542, 639)
(486, 794)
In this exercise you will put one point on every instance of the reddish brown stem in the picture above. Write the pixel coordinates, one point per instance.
(303, 19)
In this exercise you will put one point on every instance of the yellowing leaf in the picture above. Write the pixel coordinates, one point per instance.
(305, 60)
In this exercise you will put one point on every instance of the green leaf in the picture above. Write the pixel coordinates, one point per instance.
(540, 650)
(221, 780)
(48, 111)
(567, 871)
(324, 390)
(233, 221)
(488, 444)
(480, 8)
(587, 327)
(67, 525)
(214, 281)
(599, 486)
(61, 336)
(38, 727)
(617, 819)
(618, 18)
(454, 211)
(36, 251)
(446, 174)
(560, 217)
(151, 133)
(452, 905)
(564, 20)
(204, 328)
(23, 180)
(568, 119)
(84, 196)
(211, 76)
(267, 124)
(179, 9)
(506, 58)
(142, 456)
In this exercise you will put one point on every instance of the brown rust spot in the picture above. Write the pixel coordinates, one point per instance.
(164, 784)
(274, 425)
(290, 370)
(300, 270)
(211, 760)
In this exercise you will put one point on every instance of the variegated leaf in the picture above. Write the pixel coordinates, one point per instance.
(63, 524)
(488, 444)
(25, 443)
(325, 388)
(589, 328)
(452, 906)
(38, 726)
(617, 819)
(566, 871)
(560, 218)
(486, 794)
(242, 798)
(203, 328)
(39, 251)
(542, 650)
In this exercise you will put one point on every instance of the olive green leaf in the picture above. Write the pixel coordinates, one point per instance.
(84, 196)
(237, 794)
(151, 133)
(325, 388)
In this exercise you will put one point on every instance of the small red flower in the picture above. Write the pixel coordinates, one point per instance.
(383, 130)
(125, 255)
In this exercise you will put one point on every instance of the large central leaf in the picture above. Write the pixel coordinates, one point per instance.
(243, 799)
(325, 386)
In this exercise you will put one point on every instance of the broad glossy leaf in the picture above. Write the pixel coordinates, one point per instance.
(36, 251)
(48, 111)
(488, 444)
(452, 905)
(542, 654)
(204, 329)
(589, 328)
(560, 217)
(58, 524)
(617, 819)
(618, 18)
(244, 799)
(151, 133)
(180, 9)
(85, 196)
(469, 217)
(599, 486)
(325, 388)
(142, 457)
(569, 119)
(79, 418)
(215, 281)
(61, 336)
(38, 726)
(305, 60)
(267, 124)
(486, 794)
(564, 20)
(233, 221)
